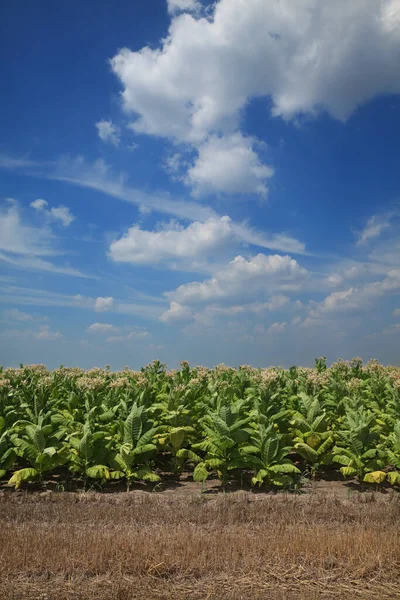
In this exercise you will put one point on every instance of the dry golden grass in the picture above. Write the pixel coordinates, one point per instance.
(189, 546)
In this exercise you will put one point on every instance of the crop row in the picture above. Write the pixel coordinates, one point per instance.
(273, 425)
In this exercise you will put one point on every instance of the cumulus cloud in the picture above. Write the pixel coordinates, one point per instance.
(356, 298)
(176, 6)
(240, 277)
(46, 334)
(100, 176)
(305, 55)
(103, 304)
(277, 328)
(57, 213)
(39, 204)
(102, 328)
(172, 241)
(230, 165)
(176, 312)
(19, 238)
(108, 132)
(210, 315)
(275, 303)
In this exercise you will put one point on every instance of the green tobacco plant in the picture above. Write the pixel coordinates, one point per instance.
(357, 448)
(312, 436)
(224, 433)
(40, 449)
(137, 448)
(89, 453)
(130, 463)
(393, 455)
(175, 430)
(7, 450)
(268, 455)
(224, 421)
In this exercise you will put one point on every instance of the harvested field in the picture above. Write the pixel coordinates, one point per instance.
(181, 544)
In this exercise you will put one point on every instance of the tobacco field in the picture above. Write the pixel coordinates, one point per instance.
(269, 427)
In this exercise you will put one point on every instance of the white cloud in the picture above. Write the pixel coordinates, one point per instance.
(277, 328)
(307, 55)
(47, 335)
(242, 277)
(176, 312)
(373, 229)
(102, 328)
(127, 337)
(104, 304)
(396, 312)
(21, 245)
(176, 6)
(173, 164)
(357, 298)
(34, 263)
(155, 347)
(39, 204)
(119, 334)
(57, 213)
(24, 296)
(44, 334)
(210, 315)
(14, 314)
(228, 164)
(19, 238)
(392, 329)
(108, 132)
(275, 303)
(172, 241)
(99, 176)
(63, 214)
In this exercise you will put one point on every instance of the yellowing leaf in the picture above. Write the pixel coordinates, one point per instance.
(23, 475)
(375, 477)
(393, 478)
(348, 471)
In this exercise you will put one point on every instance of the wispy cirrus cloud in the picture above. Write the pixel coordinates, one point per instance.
(27, 296)
(23, 246)
(99, 176)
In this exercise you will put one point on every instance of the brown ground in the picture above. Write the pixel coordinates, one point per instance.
(329, 542)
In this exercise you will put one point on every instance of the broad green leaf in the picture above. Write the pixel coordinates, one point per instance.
(285, 468)
(200, 473)
(147, 475)
(177, 438)
(308, 453)
(98, 472)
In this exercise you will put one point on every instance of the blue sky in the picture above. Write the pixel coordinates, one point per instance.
(185, 180)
